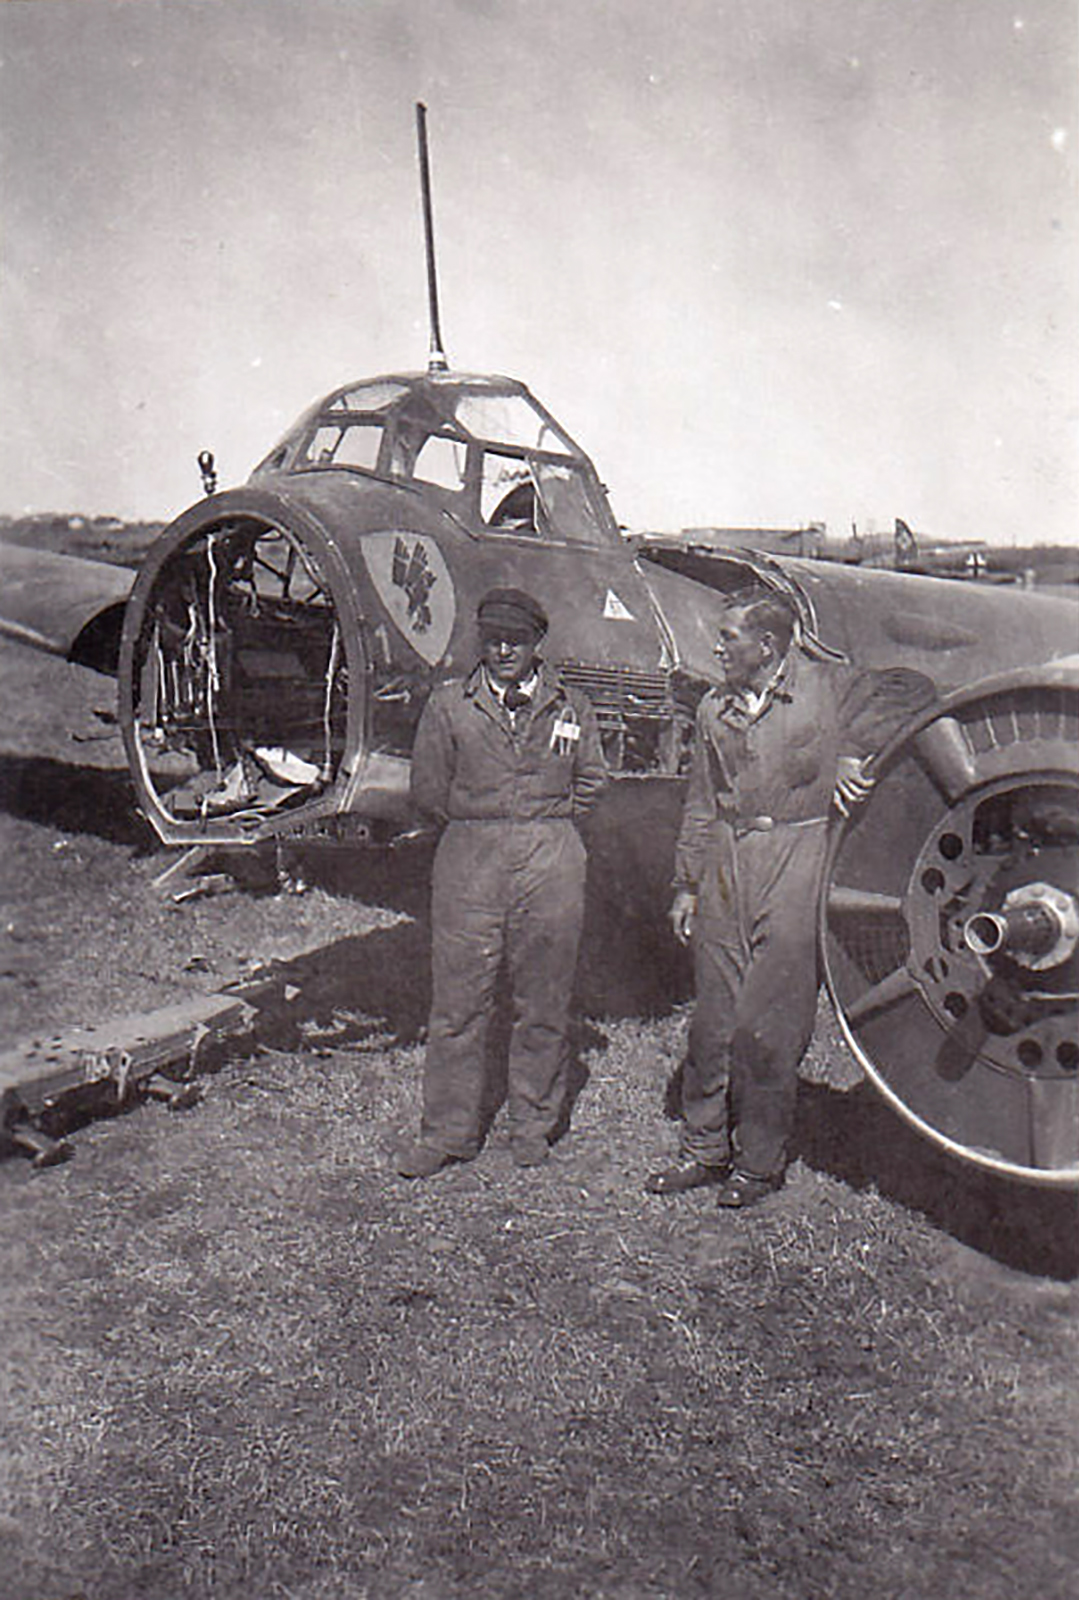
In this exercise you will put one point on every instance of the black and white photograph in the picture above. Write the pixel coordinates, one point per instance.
(539, 800)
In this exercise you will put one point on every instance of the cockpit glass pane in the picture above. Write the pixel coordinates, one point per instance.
(442, 462)
(567, 506)
(369, 397)
(509, 419)
(537, 498)
(344, 445)
(507, 494)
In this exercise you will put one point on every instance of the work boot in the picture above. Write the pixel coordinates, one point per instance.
(685, 1175)
(747, 1189)
(419, 1160)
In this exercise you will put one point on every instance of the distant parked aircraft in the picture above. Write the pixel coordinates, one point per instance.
(905, 551)
(900, 551)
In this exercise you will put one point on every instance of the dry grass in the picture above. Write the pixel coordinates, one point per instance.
(244, 1360)
(247, 1361)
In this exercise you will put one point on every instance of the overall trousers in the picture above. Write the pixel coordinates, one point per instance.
(752, 847)
(507, 894)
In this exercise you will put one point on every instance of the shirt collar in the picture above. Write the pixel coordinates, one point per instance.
(746, 706)
(527, 685)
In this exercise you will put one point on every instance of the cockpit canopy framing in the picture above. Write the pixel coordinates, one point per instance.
(483, 446)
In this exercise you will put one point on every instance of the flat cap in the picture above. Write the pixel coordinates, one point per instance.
(511, 608)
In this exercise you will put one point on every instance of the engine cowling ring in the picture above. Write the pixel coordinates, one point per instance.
(243, 698)
(975, 812)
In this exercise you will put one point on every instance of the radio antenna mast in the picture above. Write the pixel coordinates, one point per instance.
(436, 360)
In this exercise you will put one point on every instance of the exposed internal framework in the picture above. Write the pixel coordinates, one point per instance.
(239, 691)
(645, 717)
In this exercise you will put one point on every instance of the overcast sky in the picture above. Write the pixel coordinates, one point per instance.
(768, 261)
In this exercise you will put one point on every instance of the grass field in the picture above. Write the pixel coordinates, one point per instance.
(242, 1359)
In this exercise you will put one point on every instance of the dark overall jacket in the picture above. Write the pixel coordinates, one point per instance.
(508, 887)
(752, 847)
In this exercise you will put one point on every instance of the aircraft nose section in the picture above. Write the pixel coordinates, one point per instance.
(241, 676)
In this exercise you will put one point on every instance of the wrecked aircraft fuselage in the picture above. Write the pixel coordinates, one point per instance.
(281, 639)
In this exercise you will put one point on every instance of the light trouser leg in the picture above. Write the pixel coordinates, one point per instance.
(468, 907)
(543, 934)
(779, 875)
(719, 960)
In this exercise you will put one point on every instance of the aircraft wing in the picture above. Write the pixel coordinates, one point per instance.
(63, 604)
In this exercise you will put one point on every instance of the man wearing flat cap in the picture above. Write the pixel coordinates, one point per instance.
(507, 760)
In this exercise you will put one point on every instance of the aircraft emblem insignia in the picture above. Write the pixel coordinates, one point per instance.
(412, 573)
(413, 582)
(615, 611)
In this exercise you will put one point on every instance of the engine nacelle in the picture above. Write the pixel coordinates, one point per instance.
(243, 675)
(950, 925)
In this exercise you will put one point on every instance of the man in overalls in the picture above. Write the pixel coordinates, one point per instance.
(777, 747)
(507, 760)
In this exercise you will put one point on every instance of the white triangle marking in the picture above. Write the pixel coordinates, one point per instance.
(615, 610)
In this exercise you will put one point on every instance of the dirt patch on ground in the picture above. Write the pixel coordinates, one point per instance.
(243, 1359)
